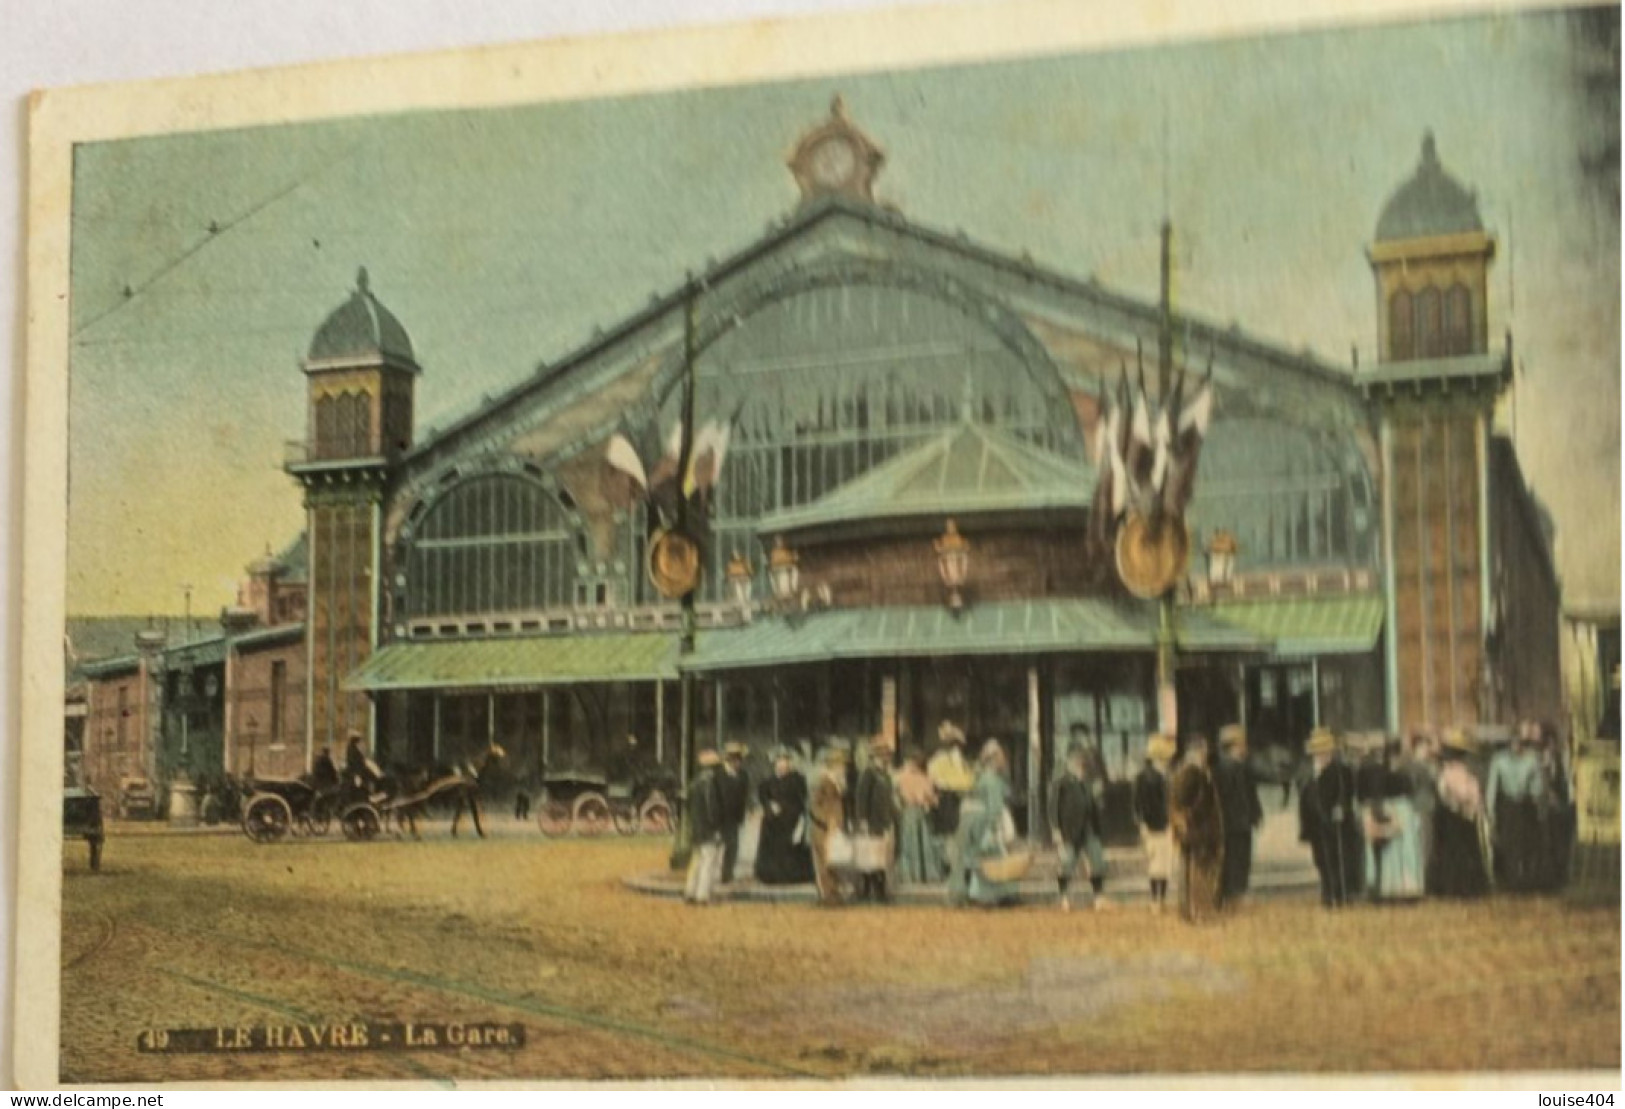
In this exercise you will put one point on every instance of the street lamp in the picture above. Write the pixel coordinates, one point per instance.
(1222, 549)
(741, 579)
(953, 563)
(783, 572)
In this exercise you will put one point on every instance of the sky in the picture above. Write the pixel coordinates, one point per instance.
(503, 238)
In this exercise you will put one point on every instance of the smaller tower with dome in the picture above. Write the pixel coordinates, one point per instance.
(360, 373)
(361, 370)
(1434, 389)
(1431, 258)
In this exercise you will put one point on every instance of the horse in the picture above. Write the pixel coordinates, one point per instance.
(460, 784)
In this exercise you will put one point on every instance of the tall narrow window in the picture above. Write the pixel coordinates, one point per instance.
(1429, 324)
(1458, 321)
(1401, 326)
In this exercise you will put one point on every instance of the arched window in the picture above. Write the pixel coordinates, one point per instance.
(830, 382)
(1401, 326)
(1458, 320)
(344, 426)
(327, 411)
(495, 543)
(1429, 324)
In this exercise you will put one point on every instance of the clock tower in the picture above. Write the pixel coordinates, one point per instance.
(836, 159)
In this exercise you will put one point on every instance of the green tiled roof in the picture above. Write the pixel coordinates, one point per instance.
(1308, 625)
(966, 470)
(514, 661)
(1025, 627)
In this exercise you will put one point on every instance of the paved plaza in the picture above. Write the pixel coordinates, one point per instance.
(203, 930)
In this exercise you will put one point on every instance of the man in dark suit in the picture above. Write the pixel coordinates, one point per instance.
(1238, 800)
(733, 789)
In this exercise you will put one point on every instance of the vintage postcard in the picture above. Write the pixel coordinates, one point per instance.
(995, 543)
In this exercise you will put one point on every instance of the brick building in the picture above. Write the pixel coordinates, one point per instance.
(190, 701)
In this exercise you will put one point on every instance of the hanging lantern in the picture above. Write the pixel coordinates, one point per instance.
(953, 563)
(783, 571)
(741, 577)
(1222, 549)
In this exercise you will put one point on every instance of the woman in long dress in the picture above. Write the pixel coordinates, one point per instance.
(782, 857)
(1393, 831)
(918, 860)
(1457, 867)
(981, 827)
(1151, 814)
(1198, 826)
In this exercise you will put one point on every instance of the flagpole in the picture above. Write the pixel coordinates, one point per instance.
(685, 642)
(1167, 703)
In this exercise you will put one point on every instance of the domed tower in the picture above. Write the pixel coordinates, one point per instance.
(1434, 389)
(1431, 259)
(360, 373)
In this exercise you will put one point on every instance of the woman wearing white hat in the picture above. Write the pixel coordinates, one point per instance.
(1151, 813)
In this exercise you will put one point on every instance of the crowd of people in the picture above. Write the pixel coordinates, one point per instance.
(1384, 821)
(868, 823)
(1430, 816)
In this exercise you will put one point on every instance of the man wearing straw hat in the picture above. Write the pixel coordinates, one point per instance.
(953, 777)
(705, 830)
(733, 787)
(1328, 821)
(874, 810)
(1238, 800)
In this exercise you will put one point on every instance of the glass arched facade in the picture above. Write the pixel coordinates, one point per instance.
(491, 544)
(1290, 496)
(827, 383)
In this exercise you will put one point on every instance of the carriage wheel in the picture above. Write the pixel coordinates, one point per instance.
(319, 820)
(267, 818)
(591, 815)
(625, 816)
(655, 817)
(360, 822)
(554, 818)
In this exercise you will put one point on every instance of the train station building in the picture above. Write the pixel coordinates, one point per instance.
(901, 427)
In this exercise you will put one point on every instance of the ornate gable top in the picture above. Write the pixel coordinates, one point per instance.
(837, 158)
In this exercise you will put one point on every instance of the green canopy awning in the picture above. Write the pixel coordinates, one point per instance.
(1051, 626)
(518, 661)
(1303, 626)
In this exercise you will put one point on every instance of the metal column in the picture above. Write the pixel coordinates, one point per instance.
(1035, 755)
(1390, 635)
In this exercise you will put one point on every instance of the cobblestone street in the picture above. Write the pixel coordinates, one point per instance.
(204, 930)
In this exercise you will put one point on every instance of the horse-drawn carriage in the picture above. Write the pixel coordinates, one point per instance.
(362, 805)
(588, 804)
(278, 807)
